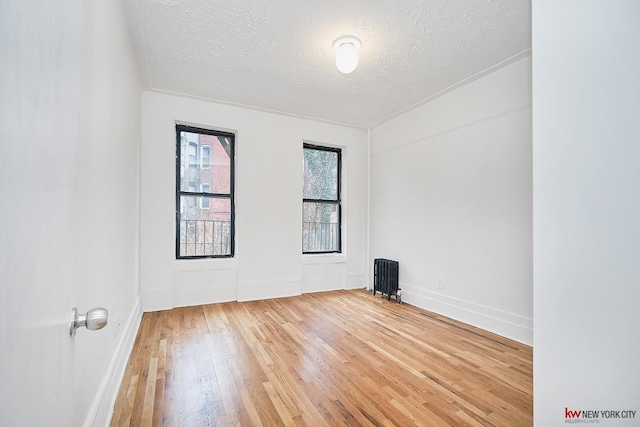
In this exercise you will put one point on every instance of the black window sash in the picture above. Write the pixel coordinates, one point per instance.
(337, 201)
(180, 193)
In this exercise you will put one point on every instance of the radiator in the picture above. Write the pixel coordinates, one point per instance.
(385, 278)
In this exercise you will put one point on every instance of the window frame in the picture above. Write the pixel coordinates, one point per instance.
(337, 202)
(228, 196)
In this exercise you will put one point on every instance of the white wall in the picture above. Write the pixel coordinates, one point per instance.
(268, 261)
(451, 201)
(70, 124)
(586, 174)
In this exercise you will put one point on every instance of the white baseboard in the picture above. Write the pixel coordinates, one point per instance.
(157, 299)
(357, 281)
(252, 290)
(508, 325)
(101, 409)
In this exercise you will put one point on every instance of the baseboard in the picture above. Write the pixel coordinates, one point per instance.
(357, 281)
(157, 299)
(508, 325)
(251, 290)
(101, 409)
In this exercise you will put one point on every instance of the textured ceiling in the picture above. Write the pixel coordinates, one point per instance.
(277, 55)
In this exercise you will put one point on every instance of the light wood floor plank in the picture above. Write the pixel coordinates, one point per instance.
(342, 358)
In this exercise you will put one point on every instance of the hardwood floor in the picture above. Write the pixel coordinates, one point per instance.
(325, 359)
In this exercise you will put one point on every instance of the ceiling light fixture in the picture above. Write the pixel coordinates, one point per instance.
(346, 48)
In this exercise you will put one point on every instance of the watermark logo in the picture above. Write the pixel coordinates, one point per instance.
(572, 416)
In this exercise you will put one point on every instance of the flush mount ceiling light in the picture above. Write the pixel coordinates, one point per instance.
(346, 48)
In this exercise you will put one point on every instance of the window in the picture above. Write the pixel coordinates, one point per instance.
(193, 154)
(205, 201)
(204, 193)
(205, 156)
(321, 209)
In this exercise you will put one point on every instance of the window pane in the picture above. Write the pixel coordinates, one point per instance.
(204, 231)
(320, 231)
(320, 174)
(213, 166)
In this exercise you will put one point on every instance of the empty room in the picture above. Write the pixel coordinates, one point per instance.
(320, 213)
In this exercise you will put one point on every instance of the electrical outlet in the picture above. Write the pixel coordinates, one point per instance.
(441, 284)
